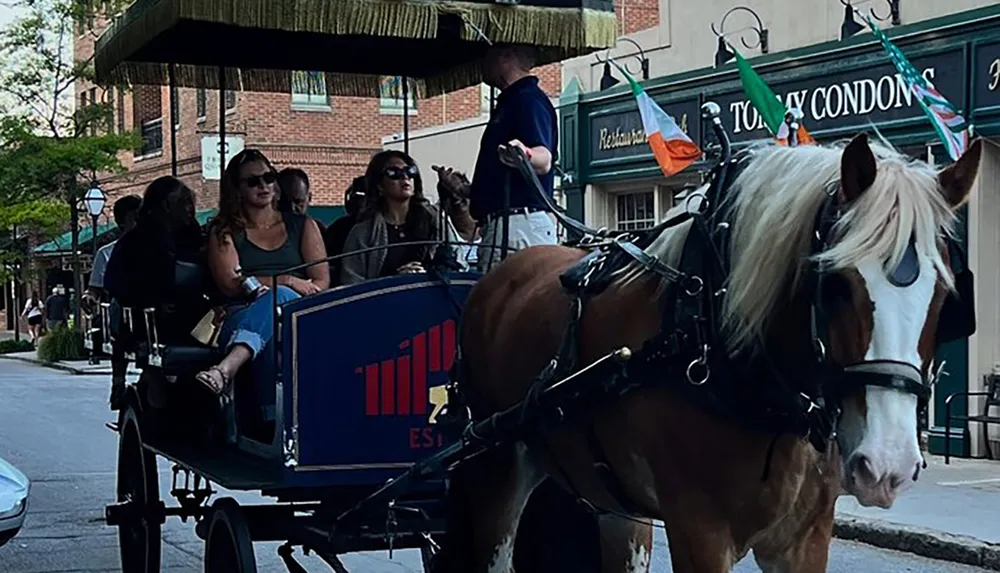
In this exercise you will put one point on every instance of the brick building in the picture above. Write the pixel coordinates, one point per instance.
(331, 138)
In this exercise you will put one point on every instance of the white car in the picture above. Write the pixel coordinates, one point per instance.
(14, 488)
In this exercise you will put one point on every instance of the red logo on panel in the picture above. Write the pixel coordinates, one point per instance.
(398, 386)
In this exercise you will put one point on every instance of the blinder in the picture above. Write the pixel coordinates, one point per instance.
(957, 319)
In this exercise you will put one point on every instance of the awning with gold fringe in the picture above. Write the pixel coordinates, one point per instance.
(260, 43)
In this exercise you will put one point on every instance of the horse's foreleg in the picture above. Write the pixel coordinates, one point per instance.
(698, 544)
(485, 500)
(808, 553)
(626, 544)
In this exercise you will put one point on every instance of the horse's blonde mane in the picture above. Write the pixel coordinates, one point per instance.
(774, 202)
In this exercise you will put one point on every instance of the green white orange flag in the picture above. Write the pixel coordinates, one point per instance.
(950, 126)
(768, 105)
(672, 148)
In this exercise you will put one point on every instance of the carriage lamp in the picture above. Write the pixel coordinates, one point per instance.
(723, 54)
(608, 80)
(851, 26)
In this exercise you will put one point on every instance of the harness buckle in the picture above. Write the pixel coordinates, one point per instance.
(694, 285)
(700, 363)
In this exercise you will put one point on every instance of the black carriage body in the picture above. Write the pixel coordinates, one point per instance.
(362, 377)
(364, 370)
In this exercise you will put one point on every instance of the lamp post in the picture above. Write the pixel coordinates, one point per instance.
(94, 199)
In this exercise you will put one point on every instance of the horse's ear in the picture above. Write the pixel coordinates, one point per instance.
(956, 180)
(857, 168)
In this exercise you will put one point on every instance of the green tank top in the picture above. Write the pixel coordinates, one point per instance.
(257, 261)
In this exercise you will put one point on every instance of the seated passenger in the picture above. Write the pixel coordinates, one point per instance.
(250, 234)
(141, 271)
(397, 212)
(296, 194)
(336, 234)
(453, 192)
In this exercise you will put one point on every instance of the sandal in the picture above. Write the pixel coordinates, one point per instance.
(209, 381)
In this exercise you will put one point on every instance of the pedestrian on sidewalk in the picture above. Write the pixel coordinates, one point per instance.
(126, 210)
(56, 308)
(523, 118)
(33, 310)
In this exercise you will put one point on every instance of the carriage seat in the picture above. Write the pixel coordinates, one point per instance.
(159, 336)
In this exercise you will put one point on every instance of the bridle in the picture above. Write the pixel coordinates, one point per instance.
(837, 381)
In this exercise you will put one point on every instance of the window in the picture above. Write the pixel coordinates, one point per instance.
(175, 106)
(390, 98)
(635, 211)
(230, 100)
(309, 90)
(147, 117)
(486, 94)
(96, 120)
(201, 103)
(121, 110)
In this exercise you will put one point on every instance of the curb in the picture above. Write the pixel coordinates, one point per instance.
(56, 366)
(919, 541)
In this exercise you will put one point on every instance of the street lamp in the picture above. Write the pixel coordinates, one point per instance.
(95, 199)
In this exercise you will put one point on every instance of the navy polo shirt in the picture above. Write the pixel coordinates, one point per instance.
(523, 112)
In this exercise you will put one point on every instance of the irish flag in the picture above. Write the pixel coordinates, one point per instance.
(768, 105)
(672, 148)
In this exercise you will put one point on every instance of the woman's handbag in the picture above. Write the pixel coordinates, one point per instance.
(208, 328)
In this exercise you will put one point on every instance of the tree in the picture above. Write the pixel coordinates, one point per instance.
(51, 147)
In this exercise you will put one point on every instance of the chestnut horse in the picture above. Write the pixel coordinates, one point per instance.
(884, 273)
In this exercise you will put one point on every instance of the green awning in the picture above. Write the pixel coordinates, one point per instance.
(325, 214)
(63, 242)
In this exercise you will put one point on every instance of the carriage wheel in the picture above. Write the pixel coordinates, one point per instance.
(138, 484)
(228, 548)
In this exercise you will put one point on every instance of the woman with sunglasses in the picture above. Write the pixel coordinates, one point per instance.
(250, 237)
(397, 212)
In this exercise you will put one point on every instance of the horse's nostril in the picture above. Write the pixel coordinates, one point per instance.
(862, 470)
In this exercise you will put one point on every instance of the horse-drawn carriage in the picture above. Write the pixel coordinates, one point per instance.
(363, 368)
(657, 372)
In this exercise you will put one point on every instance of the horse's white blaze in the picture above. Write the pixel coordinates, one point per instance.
(888, 432)
(639, 559)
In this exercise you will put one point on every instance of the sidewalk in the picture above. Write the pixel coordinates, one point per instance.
(952, 513)
(71, 366)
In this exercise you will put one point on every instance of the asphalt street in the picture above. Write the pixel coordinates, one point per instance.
(52, 428)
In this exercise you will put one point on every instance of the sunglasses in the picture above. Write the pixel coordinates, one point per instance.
(398, 173)
(260, 180)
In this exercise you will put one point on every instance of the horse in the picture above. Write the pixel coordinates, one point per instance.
(864, 302)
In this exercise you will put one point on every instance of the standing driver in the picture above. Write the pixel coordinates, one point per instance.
(555, 533)
(524, 118)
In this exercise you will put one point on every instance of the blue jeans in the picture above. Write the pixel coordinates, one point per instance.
(252, 325)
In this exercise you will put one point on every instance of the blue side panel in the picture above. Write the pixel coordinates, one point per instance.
(364, 369)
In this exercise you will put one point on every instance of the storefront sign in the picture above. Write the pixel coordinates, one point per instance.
(620, 135)
(986, 76)
(873, 94)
